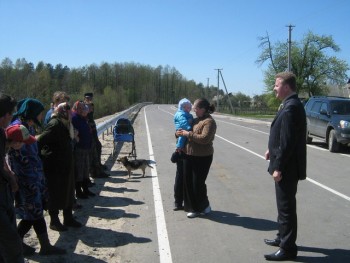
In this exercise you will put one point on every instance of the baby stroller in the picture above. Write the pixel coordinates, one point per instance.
(124, 132)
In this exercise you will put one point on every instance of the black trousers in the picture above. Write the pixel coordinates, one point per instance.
(196, 169)
(10, 242)
(286, 191)
(39, 226)
(179, 184)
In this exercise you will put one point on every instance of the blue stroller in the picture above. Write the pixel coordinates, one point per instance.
(124, 132)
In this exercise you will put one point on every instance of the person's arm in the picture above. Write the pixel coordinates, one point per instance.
(48, 133)
(181, 122)
(207, 134)
(288, 137)
(11, 177)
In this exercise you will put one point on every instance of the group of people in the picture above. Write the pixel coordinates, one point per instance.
(46, 170)
(286, 154)
(49, 171)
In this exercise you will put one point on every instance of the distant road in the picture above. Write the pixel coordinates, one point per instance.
(242, 197)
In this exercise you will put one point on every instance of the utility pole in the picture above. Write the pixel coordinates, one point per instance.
(228, 97)
(217, 94)
(290, 47)
(207, 89)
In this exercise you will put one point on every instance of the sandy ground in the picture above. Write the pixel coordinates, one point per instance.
(97, 240)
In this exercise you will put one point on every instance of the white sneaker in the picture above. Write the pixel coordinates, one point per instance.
(192, 214)
(206, 210)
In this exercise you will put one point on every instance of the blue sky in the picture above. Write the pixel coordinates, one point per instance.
(194, 36)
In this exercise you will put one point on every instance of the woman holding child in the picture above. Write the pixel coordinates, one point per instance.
(198, 158)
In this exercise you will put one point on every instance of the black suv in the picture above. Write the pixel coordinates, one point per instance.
(328, 118)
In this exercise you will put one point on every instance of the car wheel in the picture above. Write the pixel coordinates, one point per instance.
(333, 145)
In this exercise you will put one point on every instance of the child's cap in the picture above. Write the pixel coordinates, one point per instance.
(19, 133)
(183, 102)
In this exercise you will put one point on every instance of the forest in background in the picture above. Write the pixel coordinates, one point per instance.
(115, 86)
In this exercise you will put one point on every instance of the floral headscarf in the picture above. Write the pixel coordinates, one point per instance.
(79, 107)
(62, 111)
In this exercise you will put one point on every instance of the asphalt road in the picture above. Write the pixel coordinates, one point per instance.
(241, 195)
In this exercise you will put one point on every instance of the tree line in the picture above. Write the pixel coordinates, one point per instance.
(119, 85)
(115, 86)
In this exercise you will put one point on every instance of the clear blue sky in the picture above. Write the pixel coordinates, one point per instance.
(194, 36)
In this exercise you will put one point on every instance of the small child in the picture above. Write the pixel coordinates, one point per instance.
(183, 120)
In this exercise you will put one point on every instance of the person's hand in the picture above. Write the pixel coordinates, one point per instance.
(181, 132)
(178, 132)
(277, 176)
(267, 155)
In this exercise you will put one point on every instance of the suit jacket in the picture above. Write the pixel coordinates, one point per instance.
(287, 141)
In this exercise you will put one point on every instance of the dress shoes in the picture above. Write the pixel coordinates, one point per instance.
(281, 255)
(272, 242)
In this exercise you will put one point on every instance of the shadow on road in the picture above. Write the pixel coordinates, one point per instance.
(237, 220)
(328, 255)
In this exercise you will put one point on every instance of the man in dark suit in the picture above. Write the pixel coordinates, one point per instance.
(287, 155)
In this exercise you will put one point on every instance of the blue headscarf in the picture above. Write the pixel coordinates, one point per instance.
(29, 109)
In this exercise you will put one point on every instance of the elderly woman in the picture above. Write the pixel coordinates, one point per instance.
(82, 149)
(198, 158)
(27, 165)
(56, 147)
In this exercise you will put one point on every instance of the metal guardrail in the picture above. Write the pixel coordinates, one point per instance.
(103, 126)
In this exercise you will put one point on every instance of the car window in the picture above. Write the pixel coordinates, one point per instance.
(324, 107)
(316, 107)
(340, 107)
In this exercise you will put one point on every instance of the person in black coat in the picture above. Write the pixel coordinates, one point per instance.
(56, 148)
(287, 155)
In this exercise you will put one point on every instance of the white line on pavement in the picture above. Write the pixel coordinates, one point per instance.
(233, 124)
(163, 240)
(308, 179)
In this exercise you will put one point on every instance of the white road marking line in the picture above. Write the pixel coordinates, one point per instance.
(233, 124)
(263, 157)
(239, 146)
(308, 178)
(346, 155)
(163, 239)
(317, 148)
(328, 189)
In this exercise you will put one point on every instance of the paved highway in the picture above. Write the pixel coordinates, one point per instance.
(241, 195)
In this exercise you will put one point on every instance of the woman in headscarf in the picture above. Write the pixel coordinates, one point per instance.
(27, 165)
(82, 149)
(55, 144)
